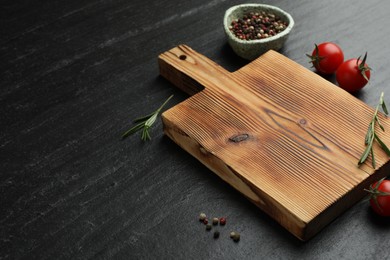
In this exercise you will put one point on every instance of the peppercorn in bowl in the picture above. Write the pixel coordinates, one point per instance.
(253, 29)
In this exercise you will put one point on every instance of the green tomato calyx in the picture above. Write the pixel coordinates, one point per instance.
(362, 66)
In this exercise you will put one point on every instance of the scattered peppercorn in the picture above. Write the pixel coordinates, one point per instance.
(235, 236)
(208, 227)
(202, 217)
(260, 25)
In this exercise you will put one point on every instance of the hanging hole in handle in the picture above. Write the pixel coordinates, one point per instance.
(182, 57)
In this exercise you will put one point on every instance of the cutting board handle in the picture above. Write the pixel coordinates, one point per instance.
(189, 70)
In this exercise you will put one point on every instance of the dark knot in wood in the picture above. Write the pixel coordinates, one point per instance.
(238, 138)
(302, 121)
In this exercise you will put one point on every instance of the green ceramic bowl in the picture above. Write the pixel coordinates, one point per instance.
(252, 49)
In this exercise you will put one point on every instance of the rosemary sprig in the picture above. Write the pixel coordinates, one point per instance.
(145, 123)
(371, 136)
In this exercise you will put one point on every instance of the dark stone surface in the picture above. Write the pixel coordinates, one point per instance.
(73, 76)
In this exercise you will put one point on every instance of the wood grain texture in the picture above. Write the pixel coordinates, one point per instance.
(303, 135)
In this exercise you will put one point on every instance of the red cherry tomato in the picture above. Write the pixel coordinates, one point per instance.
(380, 197)
(326, 57)
(353, 74)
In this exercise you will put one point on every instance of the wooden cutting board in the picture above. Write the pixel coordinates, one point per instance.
(283, 136)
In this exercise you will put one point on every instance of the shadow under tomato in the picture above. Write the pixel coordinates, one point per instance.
(377, 220)
(330, 77)
(360, 94)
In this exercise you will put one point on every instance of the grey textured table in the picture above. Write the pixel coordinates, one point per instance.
(73, 76)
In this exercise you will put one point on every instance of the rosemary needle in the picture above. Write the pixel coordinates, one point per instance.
(145, 123)
(371, 136)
